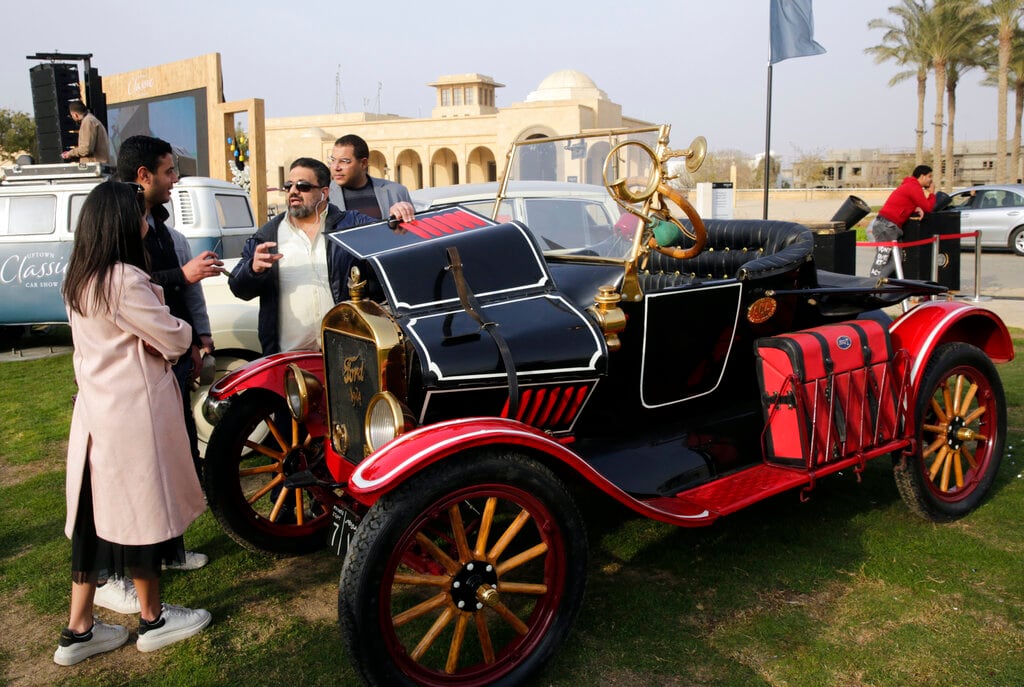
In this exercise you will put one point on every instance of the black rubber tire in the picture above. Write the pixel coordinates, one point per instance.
(923, 479)
(226, 489)
(383, 653)
(1016, 243)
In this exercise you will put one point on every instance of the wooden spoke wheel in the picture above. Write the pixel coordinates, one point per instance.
(244, 477)
(961, 415)
(469, 574)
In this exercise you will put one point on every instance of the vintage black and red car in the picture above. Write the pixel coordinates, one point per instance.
(482, 375)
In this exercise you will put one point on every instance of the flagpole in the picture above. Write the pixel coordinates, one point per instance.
(767, 142)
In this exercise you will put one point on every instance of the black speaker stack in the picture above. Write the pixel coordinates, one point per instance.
(54, 86)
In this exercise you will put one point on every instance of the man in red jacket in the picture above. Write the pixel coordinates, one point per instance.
(911, 199)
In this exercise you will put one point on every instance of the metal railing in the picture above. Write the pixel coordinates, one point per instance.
(897, 247)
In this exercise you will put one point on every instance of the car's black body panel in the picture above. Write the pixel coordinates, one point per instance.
(685, 364)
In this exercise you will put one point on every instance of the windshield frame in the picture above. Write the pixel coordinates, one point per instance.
(657, 135)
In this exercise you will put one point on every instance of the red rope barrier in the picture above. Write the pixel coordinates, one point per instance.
(912, 244)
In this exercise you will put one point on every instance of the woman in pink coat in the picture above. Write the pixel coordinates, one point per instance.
(131, 487)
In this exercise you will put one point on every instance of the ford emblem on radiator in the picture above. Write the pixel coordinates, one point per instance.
(844, 342)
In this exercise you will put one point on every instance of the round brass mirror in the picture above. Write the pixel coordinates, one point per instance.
(631, 172)
(696, 153)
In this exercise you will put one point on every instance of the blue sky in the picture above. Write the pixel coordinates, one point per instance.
(700, 66)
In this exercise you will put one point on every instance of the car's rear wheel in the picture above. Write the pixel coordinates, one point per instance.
(244, 477)
(1017, 240)
(471, 574)
(961, 430)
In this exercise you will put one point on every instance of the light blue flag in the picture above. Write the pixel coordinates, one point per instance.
(792, 30)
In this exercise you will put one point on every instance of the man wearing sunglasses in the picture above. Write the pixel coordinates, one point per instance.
(353, 189)
(289, 264)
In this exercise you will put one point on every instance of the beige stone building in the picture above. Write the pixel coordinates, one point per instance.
(464, 140)
(973, 163)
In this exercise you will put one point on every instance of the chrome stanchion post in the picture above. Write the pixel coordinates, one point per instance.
(935, 258)
(897, 256)
(977, 265)
(978, 298)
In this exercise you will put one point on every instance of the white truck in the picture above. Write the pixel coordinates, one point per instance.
(39, 206)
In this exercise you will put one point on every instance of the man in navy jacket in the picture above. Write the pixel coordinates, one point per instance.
(289, 264)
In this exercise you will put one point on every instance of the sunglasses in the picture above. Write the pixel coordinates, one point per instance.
(302, 186)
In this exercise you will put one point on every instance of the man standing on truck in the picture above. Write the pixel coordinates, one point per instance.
(911, 199)
(149, 162)
(93, 144)
(353, 189)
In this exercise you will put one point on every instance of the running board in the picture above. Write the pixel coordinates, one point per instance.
(704, 504)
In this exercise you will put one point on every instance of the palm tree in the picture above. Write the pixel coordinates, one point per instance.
(1015, 80)
(966, 55)
(1015, 77)
(945, 29)
(1006, 16)
(953, 71)
(901, 44)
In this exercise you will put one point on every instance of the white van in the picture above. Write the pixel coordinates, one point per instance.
(39, 206)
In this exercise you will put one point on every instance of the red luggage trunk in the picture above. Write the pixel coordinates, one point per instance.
(827, 392)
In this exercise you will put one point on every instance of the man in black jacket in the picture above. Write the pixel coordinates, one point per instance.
(289, 264)
(149, 162)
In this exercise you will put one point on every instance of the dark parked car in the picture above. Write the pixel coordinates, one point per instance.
(996, 212)
(477, 380)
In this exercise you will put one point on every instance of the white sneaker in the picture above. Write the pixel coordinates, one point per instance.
(118, 595)
(193, 561)
(101, 637)
(174, 624)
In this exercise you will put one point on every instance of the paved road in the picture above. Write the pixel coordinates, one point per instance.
(1002, 281)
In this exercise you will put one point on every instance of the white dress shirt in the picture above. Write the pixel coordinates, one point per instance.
(303, 286)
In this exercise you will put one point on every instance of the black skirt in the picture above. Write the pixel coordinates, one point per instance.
(94, 559)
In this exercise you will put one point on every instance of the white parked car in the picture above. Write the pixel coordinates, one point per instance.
(995, 212)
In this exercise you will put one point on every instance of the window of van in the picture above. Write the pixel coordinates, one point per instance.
(233, 211)
(77, 201)
(27, 215)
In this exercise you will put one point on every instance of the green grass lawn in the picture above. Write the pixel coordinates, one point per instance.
(848, 589)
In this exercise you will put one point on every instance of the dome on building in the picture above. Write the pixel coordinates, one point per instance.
(567, 84)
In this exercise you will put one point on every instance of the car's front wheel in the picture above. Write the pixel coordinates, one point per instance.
(1017, 240)
(252, 450)
(961, 429)
(471, 573)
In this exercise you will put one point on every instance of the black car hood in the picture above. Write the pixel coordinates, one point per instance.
(505, 269)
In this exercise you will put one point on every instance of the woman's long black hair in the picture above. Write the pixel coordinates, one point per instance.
(109, 231)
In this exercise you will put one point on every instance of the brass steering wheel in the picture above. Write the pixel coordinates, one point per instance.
(699, 233)
(649, 191)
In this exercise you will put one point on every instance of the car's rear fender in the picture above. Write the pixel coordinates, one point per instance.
(931, 324)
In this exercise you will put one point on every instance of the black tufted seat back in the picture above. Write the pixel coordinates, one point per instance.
(736, 249)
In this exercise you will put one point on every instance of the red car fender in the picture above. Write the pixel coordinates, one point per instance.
(933, 323)
(396, 462)
(383, 470)
(267, 373)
